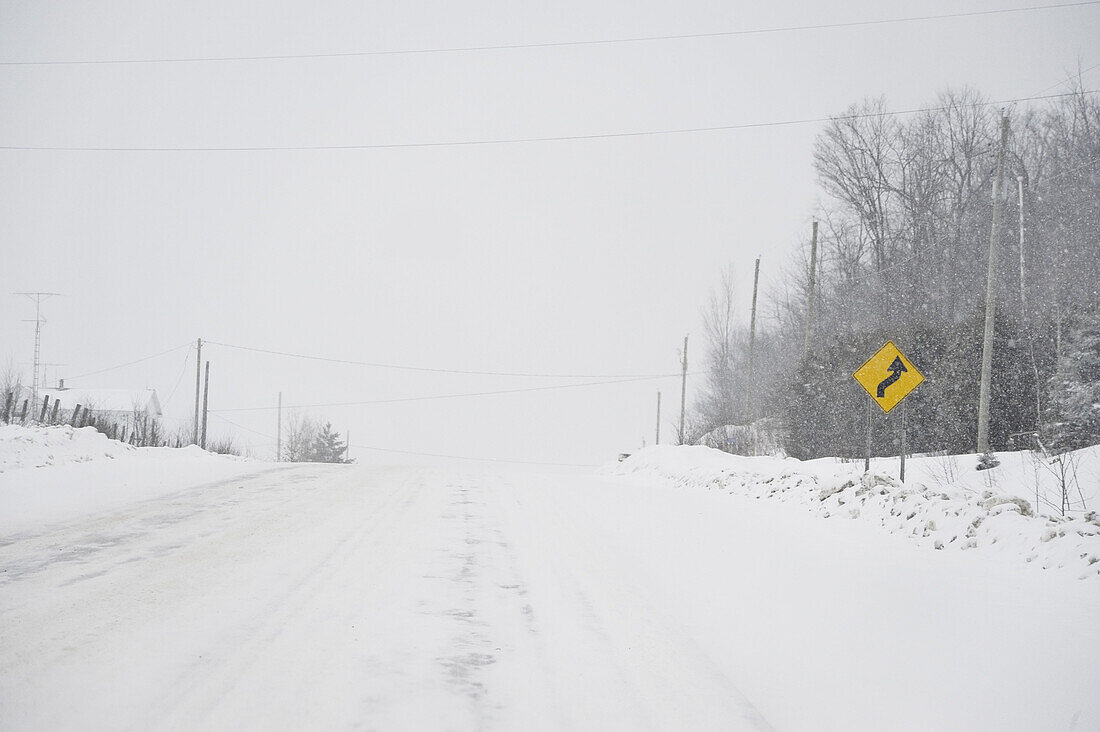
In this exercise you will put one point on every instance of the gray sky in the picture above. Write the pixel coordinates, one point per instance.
(587, 257)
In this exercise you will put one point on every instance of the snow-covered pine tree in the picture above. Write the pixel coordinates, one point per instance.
(1073, 409)
(328, 447)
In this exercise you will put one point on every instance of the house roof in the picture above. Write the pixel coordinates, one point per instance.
(106, 400)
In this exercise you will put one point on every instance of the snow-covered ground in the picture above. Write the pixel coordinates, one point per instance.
(54, 474)
(945, 503)
(339, 597)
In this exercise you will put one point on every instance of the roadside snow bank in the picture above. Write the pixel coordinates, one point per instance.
(37, 447)
(52, 474)
(977, 510)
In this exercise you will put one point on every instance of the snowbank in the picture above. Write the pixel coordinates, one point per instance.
(37, 447)
(52, 474)
(941, 505)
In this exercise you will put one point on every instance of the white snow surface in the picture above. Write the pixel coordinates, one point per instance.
(956, 508)
(409, 598)
(53, 474)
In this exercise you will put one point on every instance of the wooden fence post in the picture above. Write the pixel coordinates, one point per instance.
(76, 415)
(7, 407)
(53, 414)
(45, 406)
(23, 418)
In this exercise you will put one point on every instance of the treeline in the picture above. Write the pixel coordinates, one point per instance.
(903, 246)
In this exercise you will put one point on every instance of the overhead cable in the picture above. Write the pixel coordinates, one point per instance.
(552, 44)
(436, 397)
(550, 138)
(130, 363)
(435, 370)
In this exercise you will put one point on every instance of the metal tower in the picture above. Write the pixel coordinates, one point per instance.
(38, 297)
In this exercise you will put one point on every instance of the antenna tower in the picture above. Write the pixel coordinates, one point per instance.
(38, 297)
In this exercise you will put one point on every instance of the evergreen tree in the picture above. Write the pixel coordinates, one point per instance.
(328, 447)
(1073, 412)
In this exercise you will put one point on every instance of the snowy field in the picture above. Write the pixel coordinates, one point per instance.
(685, 590)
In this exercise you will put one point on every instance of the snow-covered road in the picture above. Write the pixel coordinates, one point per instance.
(335, 597)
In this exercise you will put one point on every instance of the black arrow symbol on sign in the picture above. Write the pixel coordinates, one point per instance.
(896, 369)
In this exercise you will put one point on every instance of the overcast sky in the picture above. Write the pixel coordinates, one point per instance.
(587, 257)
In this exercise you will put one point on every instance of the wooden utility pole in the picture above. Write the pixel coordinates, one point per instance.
(683, 389)
(1023, 281)
(749, 393)
(990, 295)
(198, 385)
(279, 431)
(657, 440)
(810, 295)
(205, 398)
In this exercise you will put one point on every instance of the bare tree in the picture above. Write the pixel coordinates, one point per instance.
(301, 432)
(11, 386)
(721, 401)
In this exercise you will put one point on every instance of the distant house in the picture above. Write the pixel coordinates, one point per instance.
(116, 405)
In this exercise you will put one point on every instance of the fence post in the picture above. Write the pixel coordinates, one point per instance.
(7, 407)
(53, 413)
(23, 417)
(76, 415)
(45, 406)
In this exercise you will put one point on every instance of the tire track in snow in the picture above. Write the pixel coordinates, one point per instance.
(638, 668)
(200, 690)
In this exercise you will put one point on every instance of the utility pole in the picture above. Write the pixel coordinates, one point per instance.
(1023, 282)
(279, 431)
(198, 385)
(657, 440)
(38, 297)
(810, 297)
(205, 397)
(683, 390)
(749, 406)
(990, 295)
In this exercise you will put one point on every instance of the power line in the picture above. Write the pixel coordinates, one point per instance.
(436, 397)
(186, 358)
(551, 44)
(130, 363)
(1060, 83)
(1056, 176)
(241, 426)
(402, 367)
(549, 138)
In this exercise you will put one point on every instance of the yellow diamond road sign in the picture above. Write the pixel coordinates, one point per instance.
(888, 376)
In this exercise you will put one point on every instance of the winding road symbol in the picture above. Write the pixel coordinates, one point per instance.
(896, 369)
